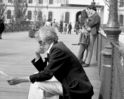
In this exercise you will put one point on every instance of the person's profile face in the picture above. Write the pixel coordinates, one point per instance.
(44, 46)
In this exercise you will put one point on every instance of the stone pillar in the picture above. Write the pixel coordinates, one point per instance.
(112, 31)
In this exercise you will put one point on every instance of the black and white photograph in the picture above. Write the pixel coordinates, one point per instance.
(61, 49)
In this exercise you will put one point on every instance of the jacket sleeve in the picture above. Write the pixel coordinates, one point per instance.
(56, 60)
(40, 64)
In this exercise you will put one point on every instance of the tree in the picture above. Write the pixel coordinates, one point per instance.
(2, 10)
(20, 8)
(107, 2)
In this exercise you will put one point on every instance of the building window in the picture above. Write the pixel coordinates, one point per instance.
(9, 14)
(121, 19)
(29, 15)
(50, 1)
(50, 15)
(1, 1)
(40, 1)
(20, 1)
(10, 1)
(30, 1)
(67, 15)
(121, 3)
(39, 17)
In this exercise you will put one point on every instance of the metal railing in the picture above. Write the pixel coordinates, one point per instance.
(111, 68)
(117, 72)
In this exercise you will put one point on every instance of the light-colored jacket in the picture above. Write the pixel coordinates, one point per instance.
(94, 23)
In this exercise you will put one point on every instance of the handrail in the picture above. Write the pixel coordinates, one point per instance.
(115, 71)
(118, 72)
(102, 40)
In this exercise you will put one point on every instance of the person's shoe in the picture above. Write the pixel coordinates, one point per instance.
(86, 65)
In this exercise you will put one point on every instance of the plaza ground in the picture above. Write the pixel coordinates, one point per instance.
(16, 52)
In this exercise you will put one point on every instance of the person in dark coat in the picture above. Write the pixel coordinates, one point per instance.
(62, 64)
(61, 27)
(2, 26)
(69, 28)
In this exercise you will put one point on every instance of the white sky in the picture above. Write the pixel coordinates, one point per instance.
(85, 1)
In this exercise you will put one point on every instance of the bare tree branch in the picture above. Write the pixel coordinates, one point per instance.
(106, 2)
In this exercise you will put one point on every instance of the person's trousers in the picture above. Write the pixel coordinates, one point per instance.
(90, 48)
(45, 90)
(81, 51)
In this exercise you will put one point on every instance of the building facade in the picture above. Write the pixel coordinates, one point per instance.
(57, 10)
(121, 12)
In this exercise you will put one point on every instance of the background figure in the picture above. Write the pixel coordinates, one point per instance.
(61, 27)
(65, 28)
(84, 37)
(54, 23)
(2, 27)
(60, 63)
(94, 24)
(77, 27)
(69, 28)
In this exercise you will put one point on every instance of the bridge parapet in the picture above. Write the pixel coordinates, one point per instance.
(111, 67)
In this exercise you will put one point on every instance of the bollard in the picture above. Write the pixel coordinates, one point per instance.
(106, 76)
(112, 31)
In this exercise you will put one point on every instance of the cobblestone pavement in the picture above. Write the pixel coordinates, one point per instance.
(16, 51)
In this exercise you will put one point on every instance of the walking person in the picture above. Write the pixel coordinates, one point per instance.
(94, 24)
(61, 27)
(62, 64)
(69, 28)
(84, 39)
(2, 27)
(65, 28)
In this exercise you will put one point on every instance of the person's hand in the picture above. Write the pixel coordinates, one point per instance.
(37, 53)
(14, 81)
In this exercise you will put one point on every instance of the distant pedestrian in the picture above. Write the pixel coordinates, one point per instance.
(65, 28)
(54, 23)
(2, 27)
(69, 28)
(61, 27)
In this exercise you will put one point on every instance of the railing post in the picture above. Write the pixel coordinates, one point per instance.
(112, 31)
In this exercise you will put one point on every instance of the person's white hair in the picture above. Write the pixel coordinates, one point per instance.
(48, 33)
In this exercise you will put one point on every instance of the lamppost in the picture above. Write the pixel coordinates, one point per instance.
(112, 31)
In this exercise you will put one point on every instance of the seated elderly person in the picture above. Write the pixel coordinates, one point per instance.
(60, 63)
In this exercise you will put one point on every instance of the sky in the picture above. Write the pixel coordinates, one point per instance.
(85, 1)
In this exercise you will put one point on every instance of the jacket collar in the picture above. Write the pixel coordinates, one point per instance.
(48, 51)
